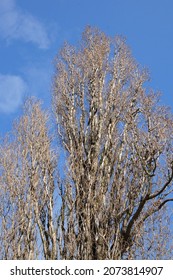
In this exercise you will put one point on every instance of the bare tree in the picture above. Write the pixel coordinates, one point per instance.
(27, 185)
(112, 198)
(119, 151)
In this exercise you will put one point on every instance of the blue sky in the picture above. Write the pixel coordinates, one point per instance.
(31, 32)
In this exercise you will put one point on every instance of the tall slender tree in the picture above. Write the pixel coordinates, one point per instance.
(118, 140)
(27, 189)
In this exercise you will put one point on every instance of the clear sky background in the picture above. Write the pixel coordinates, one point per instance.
(32, 31)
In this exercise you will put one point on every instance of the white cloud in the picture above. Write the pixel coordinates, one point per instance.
(12, 91)
(16, 24)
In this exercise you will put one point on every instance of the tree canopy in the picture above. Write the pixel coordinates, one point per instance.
(109, 200)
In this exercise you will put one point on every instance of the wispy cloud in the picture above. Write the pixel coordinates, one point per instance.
(16, 24)
(12, 91)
